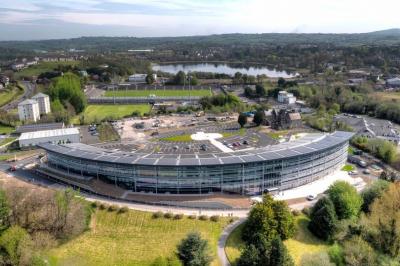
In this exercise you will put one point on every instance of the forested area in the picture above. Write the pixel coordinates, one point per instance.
(33, 220)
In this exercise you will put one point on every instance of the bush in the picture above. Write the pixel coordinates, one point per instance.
(193, 250)
(306, 211)
(123, 210)
(168, 215)
(203, 217)
(192, 216)
(214, 218)
(296, 212)
(112, 208)
(157, 215)
(102, 206)
(316, 259)
(346, 200)
(178, 216)
(323, 219)
(94, 204)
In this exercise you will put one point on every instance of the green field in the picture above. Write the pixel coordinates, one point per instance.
(6, 129)
(131, 238)
(8, 95)
(160, 92)
(99, 112)
(303, 242)
(277, 134)
(42, 67)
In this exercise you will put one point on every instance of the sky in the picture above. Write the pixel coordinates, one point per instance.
(54, 19)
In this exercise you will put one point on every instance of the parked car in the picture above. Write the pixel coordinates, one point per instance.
(311, 197)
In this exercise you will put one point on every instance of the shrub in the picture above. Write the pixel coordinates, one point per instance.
(306, 211)
(178, 216)
(157, 215)
(193, 250)
(168, 215)
(346, 200)
(112, 208)
(123, 210)
(94, 204)
(102, 206)
(214, 218)
(203, 217)
(192, 216)
(296, 212)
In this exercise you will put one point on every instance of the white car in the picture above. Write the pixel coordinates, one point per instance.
(354, 172)
(311, 197)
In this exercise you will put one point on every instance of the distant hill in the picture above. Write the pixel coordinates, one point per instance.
(384, 37)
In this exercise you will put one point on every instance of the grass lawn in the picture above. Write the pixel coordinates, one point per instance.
(107, 132)
(277, 134)
(160, 92)
(6, 141)
(8, 95)
(99, 112)
(234, 244)
(303, 242)
(388, 96)
(132, 238)
(18, 155)
(6, 129)
(348, 168)
(41, 68)
(178, 138)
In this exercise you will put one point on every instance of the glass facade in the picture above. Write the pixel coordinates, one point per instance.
(243, 178)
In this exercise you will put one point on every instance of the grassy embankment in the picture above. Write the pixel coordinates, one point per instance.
(132, 238)
(159, 92)
(9, 94)
(107, 133)
(99, 112)
(42, 67)
(303, 242)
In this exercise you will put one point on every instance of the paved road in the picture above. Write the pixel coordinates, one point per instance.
(222, 241)
(28, 92)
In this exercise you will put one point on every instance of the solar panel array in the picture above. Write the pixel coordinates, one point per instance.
(302, 146)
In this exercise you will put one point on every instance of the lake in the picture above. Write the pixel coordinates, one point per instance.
(221, 68)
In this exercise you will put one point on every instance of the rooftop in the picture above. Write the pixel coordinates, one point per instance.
(40, 95)
(27, 101)
(305, 145)
(49, 133)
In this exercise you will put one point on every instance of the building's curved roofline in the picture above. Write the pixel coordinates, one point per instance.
(307, 144)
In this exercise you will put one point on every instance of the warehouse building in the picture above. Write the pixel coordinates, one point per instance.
(56, 136)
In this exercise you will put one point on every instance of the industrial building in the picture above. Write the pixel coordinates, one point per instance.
(44, 103)
(55, 136)
(274, 167)
(28, 110)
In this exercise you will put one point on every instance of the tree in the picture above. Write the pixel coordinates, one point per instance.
(242, 119)
(248, 92)
(268, 219)
(383, 222)
(150, 78)
(279, 256)
(179, 78)
(358, 252)
(323, 219)
(284, 218)
(260, 90)
(17, 244)
(346, 200)
(250, 256)
(4, 211)
(194, 251)
(259, 117)
(373, 192)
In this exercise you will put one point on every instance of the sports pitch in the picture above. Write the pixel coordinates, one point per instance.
(158, 92)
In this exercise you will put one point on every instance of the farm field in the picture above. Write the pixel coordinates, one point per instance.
(303, 242)
(161, 93)
(131, 238)
(99, 112)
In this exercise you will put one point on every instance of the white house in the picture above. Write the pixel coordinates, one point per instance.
(28, 110)
(44, 103)
(285, 97)
(140, 78)
(56, 136)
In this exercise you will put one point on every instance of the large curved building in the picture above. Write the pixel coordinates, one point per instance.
(276, 167)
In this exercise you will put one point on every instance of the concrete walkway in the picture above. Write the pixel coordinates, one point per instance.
(222, 241)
